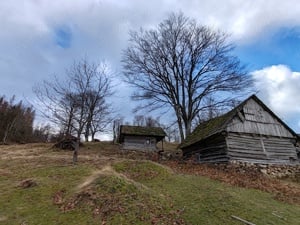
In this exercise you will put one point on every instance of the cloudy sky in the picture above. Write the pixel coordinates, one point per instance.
(40, 38)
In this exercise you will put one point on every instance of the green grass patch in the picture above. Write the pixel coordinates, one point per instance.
(142, 170)
(116, 200)
(34, 205)
(206, 201)
(133, 192)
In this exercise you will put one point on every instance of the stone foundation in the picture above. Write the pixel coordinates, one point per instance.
(272, 170)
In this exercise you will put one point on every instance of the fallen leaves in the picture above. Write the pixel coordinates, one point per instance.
(27, 183)
(241, 177)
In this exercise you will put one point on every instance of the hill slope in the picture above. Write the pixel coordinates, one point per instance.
(109, 187)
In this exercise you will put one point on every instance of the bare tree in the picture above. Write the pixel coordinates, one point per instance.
(171, 130)
(74, 104)
(42, 133)
(147, 121)
(99, 110)
(151, 122)
(179, 65)
(139, 120)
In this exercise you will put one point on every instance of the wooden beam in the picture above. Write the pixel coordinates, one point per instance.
(242, 220)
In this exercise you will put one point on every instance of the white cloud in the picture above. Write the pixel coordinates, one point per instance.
(279, 87)
(244, 19)
(99, 30)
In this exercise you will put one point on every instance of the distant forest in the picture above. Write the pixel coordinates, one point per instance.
(16, 123)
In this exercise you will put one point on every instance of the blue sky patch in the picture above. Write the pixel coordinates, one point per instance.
(282, 47)
(63, 36)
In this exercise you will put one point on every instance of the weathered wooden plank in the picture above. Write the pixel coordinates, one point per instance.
(245, 145)
(212, 155)
(255, 112)
(279, 146)
(211, 151)
(258, 121)
(246, 136)
(250, 150)
(212, 148)
(270, 144)
(219, 158)
(247, 156)
(259, 128)
(280, 149)
(242, 220)
(247, 151)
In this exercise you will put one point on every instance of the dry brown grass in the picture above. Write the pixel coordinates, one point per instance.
(282, 190)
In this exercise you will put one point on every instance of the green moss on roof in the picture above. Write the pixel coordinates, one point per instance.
(142, 131)
(208, 128)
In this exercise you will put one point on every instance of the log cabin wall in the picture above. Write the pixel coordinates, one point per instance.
(210, 150)
(260, 149)
(139, 143)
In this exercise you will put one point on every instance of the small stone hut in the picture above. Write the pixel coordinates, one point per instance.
(251, 132)
(141, 138)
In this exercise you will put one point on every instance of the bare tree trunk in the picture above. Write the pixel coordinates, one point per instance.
(188, 128)
(69, 123)
(93, 136)
(87, 129)
(86, 136)
(8, 129)
(180, 129)
(179, 122)
(76, 149)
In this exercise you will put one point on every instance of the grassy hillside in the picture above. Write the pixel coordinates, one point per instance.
(42, 186)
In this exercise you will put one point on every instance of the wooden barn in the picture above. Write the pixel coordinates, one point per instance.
(141, 138)
(251, 132)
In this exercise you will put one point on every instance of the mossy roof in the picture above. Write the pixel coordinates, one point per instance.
(157, 132)
(208, 128)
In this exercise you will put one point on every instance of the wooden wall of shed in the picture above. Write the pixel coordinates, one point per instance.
(139, 143)
(254, 119)
(210, 150)
(261, 149)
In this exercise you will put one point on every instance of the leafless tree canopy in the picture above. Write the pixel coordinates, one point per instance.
(79, 103)
(146, 121)
(181, 64)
